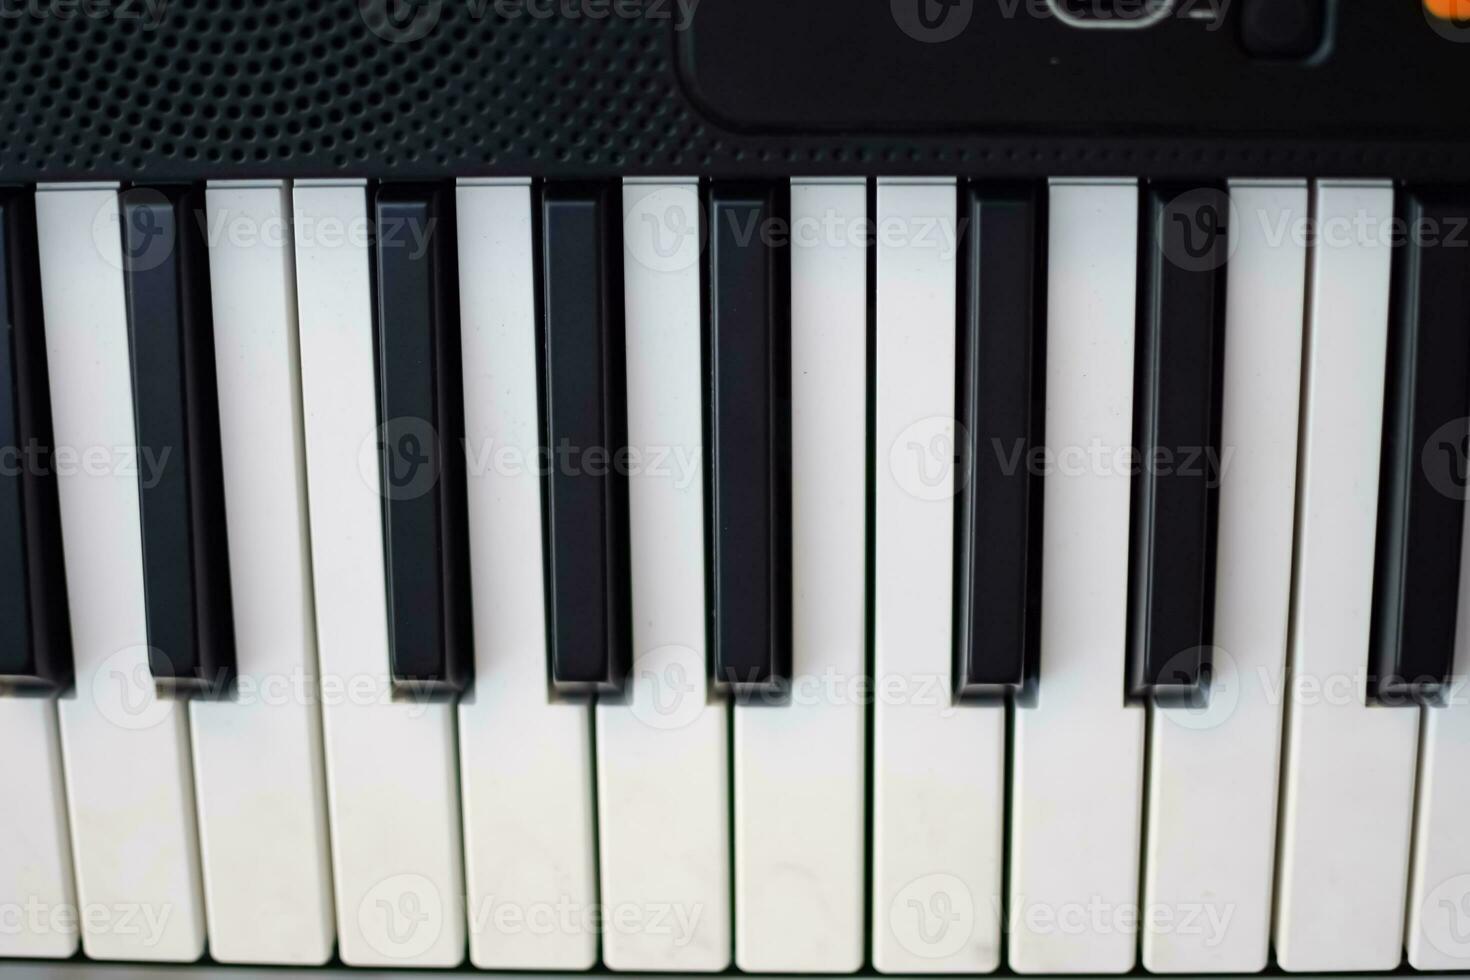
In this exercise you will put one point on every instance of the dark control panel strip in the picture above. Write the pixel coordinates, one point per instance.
(733, 89)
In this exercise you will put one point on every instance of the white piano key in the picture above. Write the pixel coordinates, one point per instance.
(662, 756)
(37, 898)
(1438, 929)
(1076, 791)
(938, 780)
(525, 759)
(1348, 794)
(1213, 771)
(258, 769)
(130, 792)
(799, 767)
(392, 777)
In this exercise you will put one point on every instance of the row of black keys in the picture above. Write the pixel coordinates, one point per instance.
(1180, 339)
(420, 411)
(1000, 332)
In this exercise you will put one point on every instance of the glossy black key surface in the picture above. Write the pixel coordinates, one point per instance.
(176, 411)
(1176, 421)
(1422, 472)
(586, 488)
(421, 429)
(35, 635)
(1001, 359)
(750, 437)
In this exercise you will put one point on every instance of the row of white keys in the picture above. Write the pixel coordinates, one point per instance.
(1213, 772)
(1076, 790)
(392, 778)
(664, 901)
(799, 766)
(129, 787)
(938, 783)
(528, 811)
(663, 806)
(257, 755)
(395, 853)
(1348, 793)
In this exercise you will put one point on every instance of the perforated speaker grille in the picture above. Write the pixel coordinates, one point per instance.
(303, 87)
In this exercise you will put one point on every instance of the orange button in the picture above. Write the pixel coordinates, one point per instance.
(1449, 9)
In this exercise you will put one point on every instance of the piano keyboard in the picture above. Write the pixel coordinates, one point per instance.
(922, 575)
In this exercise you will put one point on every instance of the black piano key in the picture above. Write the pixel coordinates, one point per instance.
(1001, 357)
(749, 438)
(586, 494)
(421, 418)
(1425, 434)
(35, 635)
(1176, 413)
(176, 410)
